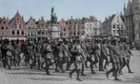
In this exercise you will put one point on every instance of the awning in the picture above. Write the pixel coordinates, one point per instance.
(15, 38)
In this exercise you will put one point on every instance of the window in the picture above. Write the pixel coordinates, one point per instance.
(6, 28)
(17, 19)
(38, 32)
(118, 31)
(114, 26)
(121, 26)
(78, 33)
(136, 8)
(117, 26)
(42, 32)
(13, 32)
(2, 28)
(17, 32)
(63, 24)
(22, 32)
(95, 32)
(61, 34)
(31, 33)
(28, 33)
(4, 22)
(64, 29)
(74, 33)
(20, 26)
(35, 33)
(90, 25)
(114, 31)
(95, 24)
(83, 32)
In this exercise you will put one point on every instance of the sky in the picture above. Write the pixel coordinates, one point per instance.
(63, 8)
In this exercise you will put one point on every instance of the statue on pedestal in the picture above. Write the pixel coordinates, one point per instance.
(53, 17)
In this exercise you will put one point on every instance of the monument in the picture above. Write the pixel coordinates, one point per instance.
(54, 30)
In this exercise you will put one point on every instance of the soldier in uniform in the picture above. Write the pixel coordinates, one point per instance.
(56, 50)
(62, 55)
(126, 58)
(115, 60)
(77, 52)
(47, 55)
(85, 55)
(66, 53)
(97, 54)
(4, 50)
(90, 55)
(104, 53)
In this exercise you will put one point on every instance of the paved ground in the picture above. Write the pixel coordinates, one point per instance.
(23, 75)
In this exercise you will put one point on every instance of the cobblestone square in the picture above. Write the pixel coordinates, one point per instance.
(24, 75)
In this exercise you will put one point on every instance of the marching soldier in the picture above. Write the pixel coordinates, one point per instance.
(56, 50)
(4, 50)
(90, 56)
(47, 55)
(126, 58)
(76, 49)
(104, 53)
(62, 55)
(115, 60)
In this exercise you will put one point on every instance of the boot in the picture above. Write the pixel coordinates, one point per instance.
(78, 75)
(70, 73)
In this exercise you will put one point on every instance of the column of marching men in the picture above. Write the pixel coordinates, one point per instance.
(75, 54)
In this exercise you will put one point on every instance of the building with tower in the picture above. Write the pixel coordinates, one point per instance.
(132, 20)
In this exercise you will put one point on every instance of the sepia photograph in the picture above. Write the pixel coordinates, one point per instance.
(69, 41)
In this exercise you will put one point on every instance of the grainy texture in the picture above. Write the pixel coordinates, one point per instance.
(24, 75)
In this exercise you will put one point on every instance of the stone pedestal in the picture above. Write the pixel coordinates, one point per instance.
(54, 31)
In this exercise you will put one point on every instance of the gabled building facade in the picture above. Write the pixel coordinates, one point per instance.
(31, 29)
(113, 27)
(17, 28)
(64, 29)
(76, 27)
(4, 28)
(92, 27)
(42, 29)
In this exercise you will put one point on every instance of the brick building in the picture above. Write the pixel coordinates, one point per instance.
(64, 29)
(76, 27)
(17, 28)
(4, 28)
